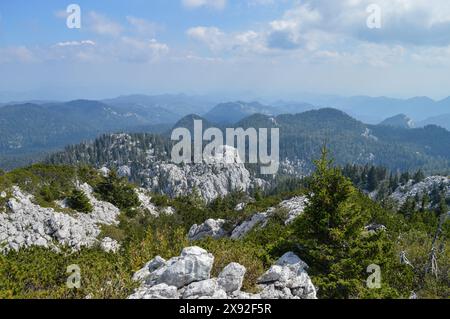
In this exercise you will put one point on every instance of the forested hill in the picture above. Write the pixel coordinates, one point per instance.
(302, 136)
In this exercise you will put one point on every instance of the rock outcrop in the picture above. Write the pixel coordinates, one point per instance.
(188, 277)
(294, 208)
(412, 189)
(215, 227)
(287, 279)
(216, 176)
(26, 224)
(146, 203)
(211, 228)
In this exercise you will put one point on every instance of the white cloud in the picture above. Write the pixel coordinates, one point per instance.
(75, 43)
(17, 54)
(215, 4)
(102, 25)
(143, 27)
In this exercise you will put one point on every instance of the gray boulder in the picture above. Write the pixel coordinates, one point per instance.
(210, 228)
(287, 279)
(153, 265)
(231, 277)
(161, 291)
(193, 265)
(205, 288)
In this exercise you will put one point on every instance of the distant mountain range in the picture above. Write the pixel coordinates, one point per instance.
(30, 130)
(375, 109)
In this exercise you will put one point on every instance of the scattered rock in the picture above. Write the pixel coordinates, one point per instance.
(211, 228)
(412, 189)
(231, 277)
(188, 277)
(374, 228)
(27, 224)
(146, 202)
(193, 265)
(287, 279)
(240, 207)
(150, 267)
(161, 291)
(243, 229)
(110, 245)
(104, 171)
(294, 206)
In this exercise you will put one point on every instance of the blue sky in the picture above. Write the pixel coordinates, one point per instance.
(267, 48)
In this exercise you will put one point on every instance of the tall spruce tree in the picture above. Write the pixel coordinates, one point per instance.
(332, 237)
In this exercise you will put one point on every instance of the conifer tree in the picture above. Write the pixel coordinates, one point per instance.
(332, 237)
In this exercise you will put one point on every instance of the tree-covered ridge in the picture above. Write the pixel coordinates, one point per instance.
(301, 139)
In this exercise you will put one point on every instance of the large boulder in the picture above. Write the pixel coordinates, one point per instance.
(231, 277)
(153, 265)
(287, 279)
(243, 229)
(211, 228)
(202, 289)
(161, 291)
(188, 277)
(193, 265)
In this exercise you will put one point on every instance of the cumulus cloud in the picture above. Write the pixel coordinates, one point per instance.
(323, 30)
(102, 25)
(17, 54)
(143, 27)
(215, 4)
(75, 43)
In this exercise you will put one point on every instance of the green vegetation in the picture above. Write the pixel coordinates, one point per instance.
(117, 191)
(79, 202)
(329, 236)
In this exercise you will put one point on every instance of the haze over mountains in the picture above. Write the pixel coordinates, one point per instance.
(29, 130)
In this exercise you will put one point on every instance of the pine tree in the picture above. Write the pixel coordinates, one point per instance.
(79, 202)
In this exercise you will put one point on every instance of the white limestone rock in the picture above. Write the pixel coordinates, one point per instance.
(153, 265)
(295, 207)
(215, 177)
(110, 245)
(104, 171)
(412, 189)
(201, 289)
(287, 279)
(193, 265)
(146, 202)
(231, 277)
(180, 278)
(210, 228)
(243, 229)
(161, 291)
(27, 224)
